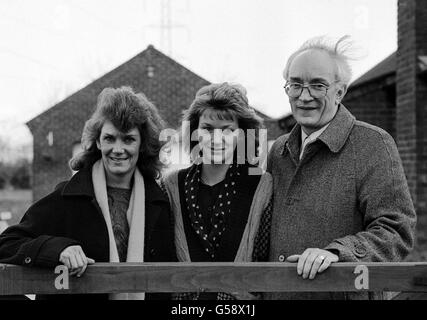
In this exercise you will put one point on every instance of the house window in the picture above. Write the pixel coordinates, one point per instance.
(150, 71)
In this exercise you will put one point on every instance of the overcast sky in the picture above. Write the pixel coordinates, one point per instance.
(51, 48)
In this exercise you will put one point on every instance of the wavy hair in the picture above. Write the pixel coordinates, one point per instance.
(229, 101)
(126, 110)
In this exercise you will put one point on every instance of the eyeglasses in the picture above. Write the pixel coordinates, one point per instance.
(316, 90)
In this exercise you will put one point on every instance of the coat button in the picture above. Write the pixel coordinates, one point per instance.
(27, 260)
(152, 252)
(281, 258)
(360, 252)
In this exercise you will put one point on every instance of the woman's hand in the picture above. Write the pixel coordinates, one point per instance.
(313, 261)
(75, 260)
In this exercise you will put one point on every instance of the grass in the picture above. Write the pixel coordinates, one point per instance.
(15, 201)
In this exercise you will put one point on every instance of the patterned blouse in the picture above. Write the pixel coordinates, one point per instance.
(118, 203)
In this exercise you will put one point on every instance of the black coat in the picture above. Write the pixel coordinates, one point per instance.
(71, 216)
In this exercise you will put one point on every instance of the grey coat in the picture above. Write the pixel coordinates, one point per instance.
(348, 194)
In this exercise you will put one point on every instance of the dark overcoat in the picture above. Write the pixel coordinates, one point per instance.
(71, 216)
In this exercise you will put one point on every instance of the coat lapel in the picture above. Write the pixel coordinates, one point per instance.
(80, 184)
(293, 144)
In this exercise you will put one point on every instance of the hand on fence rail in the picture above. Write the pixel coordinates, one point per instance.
(75, 260)
(312, 261)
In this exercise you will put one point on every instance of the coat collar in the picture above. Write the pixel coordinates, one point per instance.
(334, 137)
(81, 185)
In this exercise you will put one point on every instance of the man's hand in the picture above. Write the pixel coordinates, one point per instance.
(75, 260)
(312, 261)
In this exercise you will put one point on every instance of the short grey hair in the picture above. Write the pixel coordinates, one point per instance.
(339, 51)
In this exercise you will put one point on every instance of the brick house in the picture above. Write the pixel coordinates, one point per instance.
(57, 131)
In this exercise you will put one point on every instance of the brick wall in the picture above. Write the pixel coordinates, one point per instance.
(421, 105)
(411, 89)
(374, 102)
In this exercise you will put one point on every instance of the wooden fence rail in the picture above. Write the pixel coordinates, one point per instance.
(227, 277)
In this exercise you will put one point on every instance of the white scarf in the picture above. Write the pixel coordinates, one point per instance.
(136, 219)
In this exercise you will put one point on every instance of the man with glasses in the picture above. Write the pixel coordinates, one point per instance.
(340, 193)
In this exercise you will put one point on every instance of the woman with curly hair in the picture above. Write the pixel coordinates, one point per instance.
(112, 209)
(219, 200)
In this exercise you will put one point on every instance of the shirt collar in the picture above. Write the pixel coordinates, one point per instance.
(313, 136)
